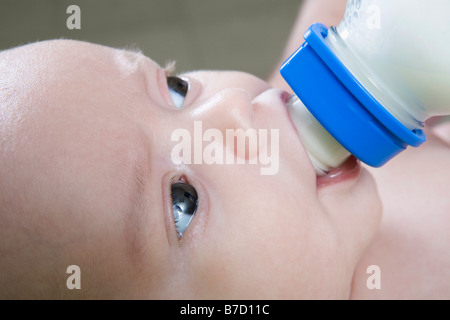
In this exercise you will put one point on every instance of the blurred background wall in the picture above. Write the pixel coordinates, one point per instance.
(246, 35)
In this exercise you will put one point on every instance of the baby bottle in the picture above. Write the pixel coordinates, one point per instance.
(367, 86)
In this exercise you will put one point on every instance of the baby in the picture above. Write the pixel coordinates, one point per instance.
(87, 178)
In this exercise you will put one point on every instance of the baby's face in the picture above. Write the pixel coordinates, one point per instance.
(88, 167)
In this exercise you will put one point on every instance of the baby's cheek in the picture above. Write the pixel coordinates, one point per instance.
(274, 266)
(213, 273)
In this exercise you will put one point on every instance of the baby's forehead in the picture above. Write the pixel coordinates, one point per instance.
(54, 63)
(47, 52)
(46, 48)
(44, 59)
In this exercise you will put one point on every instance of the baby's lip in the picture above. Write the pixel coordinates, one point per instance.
(350, 169)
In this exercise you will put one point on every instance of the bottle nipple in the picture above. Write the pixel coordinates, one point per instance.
(325, 152)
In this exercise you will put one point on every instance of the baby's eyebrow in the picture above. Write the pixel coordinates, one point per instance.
(170, 67)
(133, 53)
(136, 214)
(133, 48)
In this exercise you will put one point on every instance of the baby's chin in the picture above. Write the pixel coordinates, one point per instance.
(355, 208)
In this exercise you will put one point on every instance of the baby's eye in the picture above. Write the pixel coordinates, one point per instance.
(184, 205)
(178, 89)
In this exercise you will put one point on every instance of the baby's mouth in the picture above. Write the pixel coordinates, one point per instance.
(350, 169)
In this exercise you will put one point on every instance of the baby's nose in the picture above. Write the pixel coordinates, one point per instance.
(229, 108)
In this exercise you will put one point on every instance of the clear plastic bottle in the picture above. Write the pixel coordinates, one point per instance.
(367, 86)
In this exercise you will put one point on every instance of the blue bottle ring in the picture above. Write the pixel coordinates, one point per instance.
(342, 105)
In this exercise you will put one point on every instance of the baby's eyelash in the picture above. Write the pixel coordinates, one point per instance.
(169, 68)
